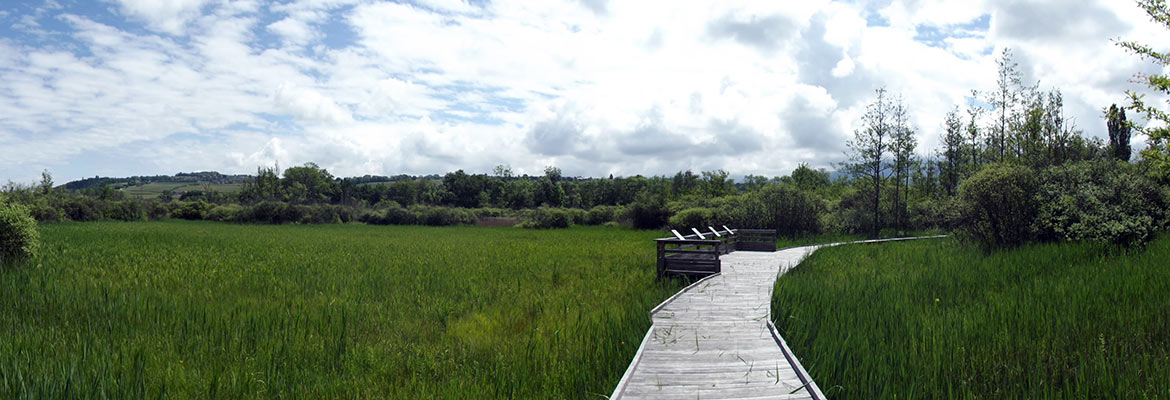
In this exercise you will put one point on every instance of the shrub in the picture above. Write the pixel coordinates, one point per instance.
(998, 205)
(267, 212)
(941, 213)
(852, 213)
(547, 218)
(741, 212)
(693, 218)
(790, 211)
(649, 211)
(601, 214)
(190, 211)
(19, 239)
(1103, 201)
(79, 208)
(156, 210)
(225, 213)
(126, 210)
(44, 212)
(443, 216)
(293, 213)
(576, 215)
(344, 214)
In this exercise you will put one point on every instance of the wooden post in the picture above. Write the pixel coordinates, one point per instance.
(661, 259)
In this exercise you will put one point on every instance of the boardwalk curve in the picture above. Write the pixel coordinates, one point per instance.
(715, 338)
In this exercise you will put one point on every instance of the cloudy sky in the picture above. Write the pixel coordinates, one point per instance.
(141, 87)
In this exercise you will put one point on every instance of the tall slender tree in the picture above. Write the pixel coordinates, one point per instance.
(1058, 137)
(953, 141)
(903, 142)
(1003, 100)
(974, 136)
(1119, 132)
(867, 149)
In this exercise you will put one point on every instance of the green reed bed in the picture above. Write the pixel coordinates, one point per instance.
(935, 319)
(207, 310)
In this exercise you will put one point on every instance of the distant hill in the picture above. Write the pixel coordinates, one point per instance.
(185, 178)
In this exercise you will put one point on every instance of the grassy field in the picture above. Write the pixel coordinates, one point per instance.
(934, 319)
(207, 310)
(154, 189)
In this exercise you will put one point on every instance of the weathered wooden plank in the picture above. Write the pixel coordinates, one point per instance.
(713, 341)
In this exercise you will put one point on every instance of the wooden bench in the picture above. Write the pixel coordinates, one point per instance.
(697, 254)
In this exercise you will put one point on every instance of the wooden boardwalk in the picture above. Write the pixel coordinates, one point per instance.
(715, 339)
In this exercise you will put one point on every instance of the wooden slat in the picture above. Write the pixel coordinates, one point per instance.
(713, 340)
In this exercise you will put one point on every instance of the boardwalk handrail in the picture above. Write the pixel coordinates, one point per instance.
(696, 255)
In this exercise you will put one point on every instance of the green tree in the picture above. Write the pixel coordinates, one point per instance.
(867, 149)
(715, 183)
(1058, 133)
(953, 142)
(806, 178)
(308, 184)
(903, 142)
(503, 171)
(1003, 100)
(1119, 133)
(466, 190)
(1028, 133)
(551, 192)
(684, 183)
(974, 136)
(753, 183)
(46, 186)
(1158, 137)
(264, 187)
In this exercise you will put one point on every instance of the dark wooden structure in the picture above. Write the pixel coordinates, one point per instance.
(697, 254)
(756, 239)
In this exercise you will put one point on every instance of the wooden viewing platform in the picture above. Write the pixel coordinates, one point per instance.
(715, 338)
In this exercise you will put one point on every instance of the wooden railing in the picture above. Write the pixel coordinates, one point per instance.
(697, 254)
(756, 239)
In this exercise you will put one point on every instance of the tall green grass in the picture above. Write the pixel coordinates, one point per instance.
(934, 319)
(205, 310)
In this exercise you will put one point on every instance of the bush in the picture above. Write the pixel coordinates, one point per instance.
(649, 211)
(601, 214)
(693, 218)
(1103, 201)
(576, 215)
(443, 216)
(19, 239)
(293, 213)
(851, 214)
(490, 212)
(547, 218)
(225, 213)
(44, 212)
(79, 208)
(190, 211)
(156, 210)
(126, 210)
(267, 212)
(942, 213)
(998, 205)
(790, 211)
